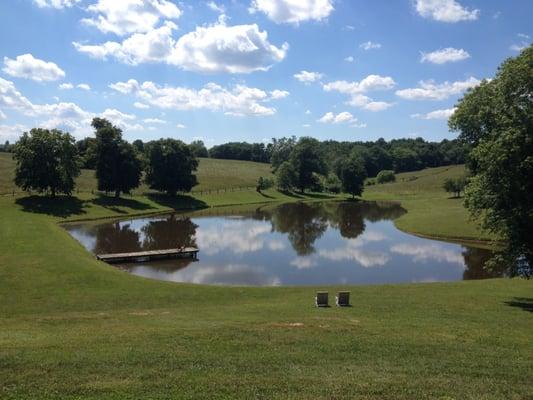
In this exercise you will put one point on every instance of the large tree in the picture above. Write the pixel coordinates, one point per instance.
(171, 164)
(307, 161)
(118, 168)
(47, 161)
(496, 119)
(352, 174)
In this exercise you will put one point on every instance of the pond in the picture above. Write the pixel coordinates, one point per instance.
(329, 243)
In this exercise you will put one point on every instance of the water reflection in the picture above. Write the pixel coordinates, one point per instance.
(288, 244)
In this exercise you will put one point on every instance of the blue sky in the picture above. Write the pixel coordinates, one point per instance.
(250, 70)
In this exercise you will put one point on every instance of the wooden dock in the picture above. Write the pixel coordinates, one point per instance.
(143, 256)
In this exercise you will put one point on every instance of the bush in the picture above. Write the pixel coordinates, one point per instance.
(386, 176)
(332, 183)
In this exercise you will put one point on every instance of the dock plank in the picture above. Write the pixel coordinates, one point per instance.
(148, 255)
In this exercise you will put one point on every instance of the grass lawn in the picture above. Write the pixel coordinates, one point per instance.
(73, 327)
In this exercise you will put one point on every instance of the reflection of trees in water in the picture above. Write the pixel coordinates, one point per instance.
(304, 224)
(347, 218)
(475, 260)
(116, 238)
(169, 233)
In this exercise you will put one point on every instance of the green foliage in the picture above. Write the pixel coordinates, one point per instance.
(87, 152)
(496, 118)
(118, 168)
(171, 164)
(47, 161)
(385, 176)
(264, 184)
(285, 177)
(281, 150)
(6, 147)
(241, 151)
(455, 185)
(306, 160)
(198, 148)
(352, 174)
(332, 183)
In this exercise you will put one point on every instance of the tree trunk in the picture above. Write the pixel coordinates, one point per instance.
(53, 192)
(117, 194)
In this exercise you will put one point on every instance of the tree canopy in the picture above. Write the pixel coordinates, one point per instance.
(46, 161)
(352, 174)
(306, 161)
(496, 119)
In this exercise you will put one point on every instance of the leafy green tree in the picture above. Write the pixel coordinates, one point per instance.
(263, 184)
(332, 183)
(285, 177)
(118, 168)
(496, 119)
(352, 175)
(281, 150)
(198, 148)
(46, 161)
(171, 164)
(306, 160)
(386, 176)
(454, 185)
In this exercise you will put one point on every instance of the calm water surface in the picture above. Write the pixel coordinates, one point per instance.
(289, 244)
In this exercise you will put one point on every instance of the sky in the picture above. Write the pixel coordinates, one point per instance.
(250, 70)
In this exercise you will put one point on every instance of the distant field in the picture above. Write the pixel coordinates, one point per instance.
(212, 174)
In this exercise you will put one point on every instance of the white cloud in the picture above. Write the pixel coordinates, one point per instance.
(370, 45)
(2, 115)
(59, 4)
(437, 114)
(443, 56)
(306, 126)
(277, 94)
(141, 106)
(307, 112)
(429, 90)
(66, 86)
(308, 76)
(210, 49)
(11, 132)
(238, 100)
(130, 16)
(180, 126)
(303, 262)
(349, 59)
(356, 89)
(154, 121)
(216, 7)
(524, 43)
(341, 118)
(84, 86)
(424, 252)
(28, 67)
(293, 11)
(445, 11)
(353, 250)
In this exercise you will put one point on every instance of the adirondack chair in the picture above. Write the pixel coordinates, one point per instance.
(321, 299)
(343, 299)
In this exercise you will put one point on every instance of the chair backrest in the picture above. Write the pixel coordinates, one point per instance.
(344, 298)
(322, 298)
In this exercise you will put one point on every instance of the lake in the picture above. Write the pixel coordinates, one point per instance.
(328, 243)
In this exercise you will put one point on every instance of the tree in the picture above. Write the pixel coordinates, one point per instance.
(454, 185)
(496, 119)
(47, 161)
(285, 177)
(171, 164)
(386, 176)
(263, 184)
(281, 150)
(332, 183)
(352, 175)
(118, 168)
(306, 160)
(198, 149)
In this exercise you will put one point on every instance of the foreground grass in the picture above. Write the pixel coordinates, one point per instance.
(431, 211)
(73, 327)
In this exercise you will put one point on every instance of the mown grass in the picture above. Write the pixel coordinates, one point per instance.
(76, 328)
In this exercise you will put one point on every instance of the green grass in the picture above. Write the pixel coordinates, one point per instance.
(431, 211)
(75, 328)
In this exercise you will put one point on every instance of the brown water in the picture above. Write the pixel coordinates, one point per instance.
(288, 244)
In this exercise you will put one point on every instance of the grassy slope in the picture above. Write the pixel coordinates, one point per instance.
(431, 211)
(73, 327)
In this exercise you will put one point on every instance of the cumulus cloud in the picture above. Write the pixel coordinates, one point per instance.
(28, 67)
(12, 132)
(370, 45)
(58, 4)
(216, 7)
(341, 118)
(130, 16)
(308, 76)
(356, 89)
(278, 94)
(443, 56)
(84, 86)
(140, 105)
(154, 121)
(437, 114)
(293, 11)
(525, 41)
(352, 250)
(66, 86)
(445, 11)
(238, 100)
(210, 49)
(424, 252)
(180, 126)
(429, 90)
(349, 59)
